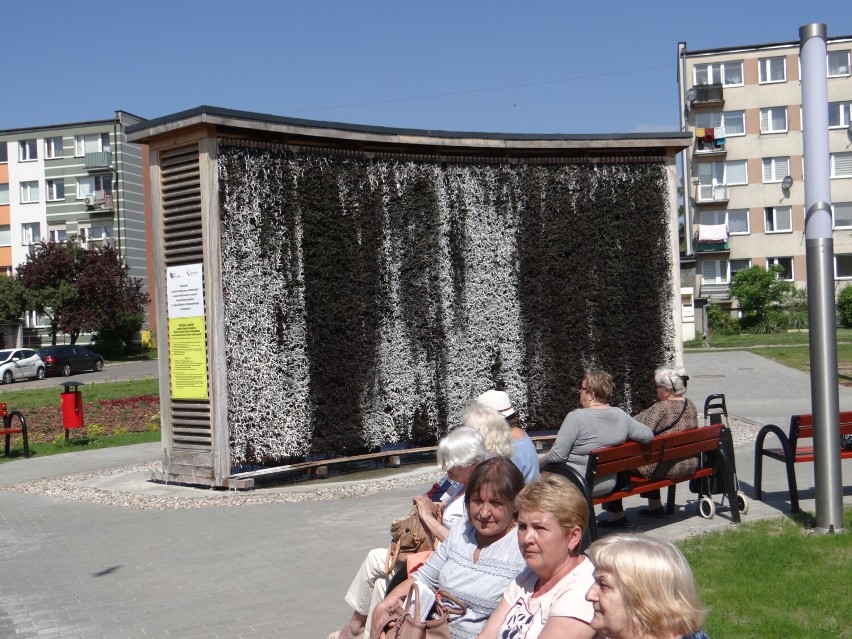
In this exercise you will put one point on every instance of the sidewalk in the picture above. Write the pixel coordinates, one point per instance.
(87, 570)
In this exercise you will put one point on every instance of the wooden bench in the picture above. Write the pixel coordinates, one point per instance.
(791, 451)
(718, 460)
(8, 430)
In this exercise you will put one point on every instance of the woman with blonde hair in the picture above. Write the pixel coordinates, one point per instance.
(643, 589)
(548, 598)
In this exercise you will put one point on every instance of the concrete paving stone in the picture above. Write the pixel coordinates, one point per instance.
(87, 570)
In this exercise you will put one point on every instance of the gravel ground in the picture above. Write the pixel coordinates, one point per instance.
(71, 486)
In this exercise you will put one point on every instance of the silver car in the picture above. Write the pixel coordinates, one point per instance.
(20, 363)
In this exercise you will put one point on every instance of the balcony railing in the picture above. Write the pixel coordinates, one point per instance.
(708, 94)
(712, 141)
(99, 160)
(712, 247)
(99, 201)
(712, 193)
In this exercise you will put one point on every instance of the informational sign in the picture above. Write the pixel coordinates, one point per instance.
(187, 331)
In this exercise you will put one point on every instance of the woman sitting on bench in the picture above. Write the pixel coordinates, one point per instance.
(671, 413)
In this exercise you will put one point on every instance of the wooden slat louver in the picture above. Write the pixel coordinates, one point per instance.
(180, 179)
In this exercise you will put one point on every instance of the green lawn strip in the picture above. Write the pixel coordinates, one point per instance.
(36, 398)
(775, 578)
(78, 442)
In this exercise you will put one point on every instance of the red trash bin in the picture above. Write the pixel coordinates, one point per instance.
(72, 406)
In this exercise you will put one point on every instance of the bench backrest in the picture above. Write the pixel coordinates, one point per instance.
(630, 455)
(802, 426)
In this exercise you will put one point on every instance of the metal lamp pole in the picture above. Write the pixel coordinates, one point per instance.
(819, 251)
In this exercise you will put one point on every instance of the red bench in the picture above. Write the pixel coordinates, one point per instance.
(791, 451)
(8, 430)
(713, 441)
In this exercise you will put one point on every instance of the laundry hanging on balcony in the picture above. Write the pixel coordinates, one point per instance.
(713, 233)
(709, 135)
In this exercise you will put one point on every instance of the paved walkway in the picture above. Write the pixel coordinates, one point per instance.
(86, 570)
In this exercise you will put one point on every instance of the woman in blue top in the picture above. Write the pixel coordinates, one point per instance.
(643, 589)
(478, 560)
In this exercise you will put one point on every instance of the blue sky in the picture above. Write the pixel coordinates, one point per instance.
(549, 66)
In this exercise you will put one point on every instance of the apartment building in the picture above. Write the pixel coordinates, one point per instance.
(743, 175)
(80, 180)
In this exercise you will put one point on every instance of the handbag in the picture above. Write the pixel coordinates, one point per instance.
(407, 624)
(408, 536)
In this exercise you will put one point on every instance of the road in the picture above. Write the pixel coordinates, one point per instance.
(112, 372)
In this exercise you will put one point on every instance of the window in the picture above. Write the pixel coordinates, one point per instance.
(4, 193)
(838, 63)
(5, 235)
(27, 150)
(773, 120)
(56, 232)
(96, 232)
(738, 265)
(30, 233)
(842, 212)
(34, 319)
(94, 143)
(714, 272)
(841, 165)
(29, 192)
(735, 172)
(842, 267)
(773, 69)
(838, 114)
(711, 218)
(726, 73)
(738, 222)
(775, 169)
(90, 185)
(731, 122)
(55, 190)
(53, 148)
(4, 153)
(786, 264)
(779, 219)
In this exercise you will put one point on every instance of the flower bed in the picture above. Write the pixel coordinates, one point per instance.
(104, 417)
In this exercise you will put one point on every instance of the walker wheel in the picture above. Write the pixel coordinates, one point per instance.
(706, 508)
(742, 502)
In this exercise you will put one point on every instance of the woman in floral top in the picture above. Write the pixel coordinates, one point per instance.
(644, 589)
(672, 413)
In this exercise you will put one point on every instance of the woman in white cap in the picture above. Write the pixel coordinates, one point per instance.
(524, 453)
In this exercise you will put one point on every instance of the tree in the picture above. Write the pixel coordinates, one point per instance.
(13, 300)
(758, 292)
(49, 275)
(109, 301)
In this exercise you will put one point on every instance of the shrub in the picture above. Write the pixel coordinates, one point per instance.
(844, 306)
(95, 430)
(721, 321)
(759, 291)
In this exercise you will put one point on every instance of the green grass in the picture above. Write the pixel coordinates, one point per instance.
(790, 349)
(28, 399)
(76, 443)
(775, 578)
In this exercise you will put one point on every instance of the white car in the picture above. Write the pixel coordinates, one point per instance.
(20, 363)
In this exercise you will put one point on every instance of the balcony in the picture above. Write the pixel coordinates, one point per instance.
(719, 291)
(712, 193)
(710, 141)
(99, 161)
(712, 247)
(706, 94)
(98, 201)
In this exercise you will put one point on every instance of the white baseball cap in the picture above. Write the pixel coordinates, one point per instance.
(498, 400)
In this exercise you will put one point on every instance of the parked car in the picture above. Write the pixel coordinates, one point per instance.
(21, 363)
(67, 359)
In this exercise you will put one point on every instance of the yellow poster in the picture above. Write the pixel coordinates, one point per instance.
(188, 357)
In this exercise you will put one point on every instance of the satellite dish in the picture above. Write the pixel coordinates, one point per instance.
(691, 94)
(787, 183)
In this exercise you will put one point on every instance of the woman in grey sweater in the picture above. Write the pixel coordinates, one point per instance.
(595, 425)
